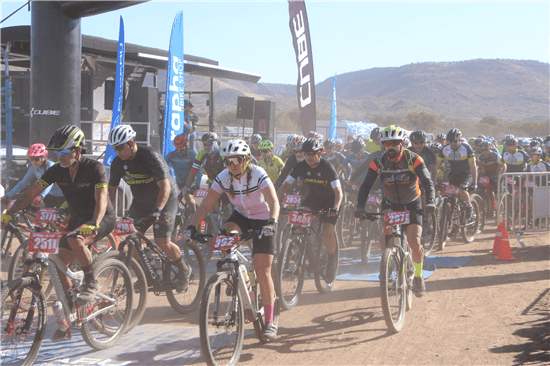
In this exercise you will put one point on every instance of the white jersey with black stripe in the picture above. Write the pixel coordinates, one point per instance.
(253, 204)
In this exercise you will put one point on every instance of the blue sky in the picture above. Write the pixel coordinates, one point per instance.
(346, 36)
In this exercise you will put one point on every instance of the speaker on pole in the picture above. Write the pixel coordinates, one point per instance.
(245, 108)
(264, 119)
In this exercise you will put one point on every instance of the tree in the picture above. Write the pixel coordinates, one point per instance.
(422, 120)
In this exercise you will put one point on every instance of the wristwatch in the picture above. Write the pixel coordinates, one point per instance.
(272, 221)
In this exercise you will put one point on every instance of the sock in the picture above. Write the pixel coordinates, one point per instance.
(182, 266)
(418, 269)
(88, 274)
(268, 313)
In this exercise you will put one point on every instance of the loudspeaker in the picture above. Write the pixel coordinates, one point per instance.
(144, 107)
(264, 119)
(245, 108)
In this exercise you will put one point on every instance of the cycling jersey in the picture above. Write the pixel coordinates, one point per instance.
(359, 174)
(180, 165)
(321, 180)
(212, 164)
(336, 160)
(290, 164)
(354, 160)
(33, 174)
(142, 174)
(256, 153)
(516, 161)
(399, 179)
(372, 146)
(459, 159)
(79, 193)
(428, 156)
(488, 164)
(286, 154)
(252, 205)
(274, 167)
(541, 166)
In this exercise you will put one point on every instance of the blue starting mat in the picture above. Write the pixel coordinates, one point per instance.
(446, 262)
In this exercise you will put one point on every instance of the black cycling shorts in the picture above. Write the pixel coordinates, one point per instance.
(165, 225)
(460, 180)
(412, 207)
(315, 204)
(265, 245)
(105, 227)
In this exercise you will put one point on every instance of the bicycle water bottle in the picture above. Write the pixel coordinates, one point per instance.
(246, 280)
(57, 307)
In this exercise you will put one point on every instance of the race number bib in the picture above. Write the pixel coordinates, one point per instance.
(44, 243)
(529, 184)
(201, 193)
(450, 190)
(293, 199)
(222, 242)
(372, 199)
(299, 218)
(124, 227)
(397, 218)
(46, 215)
(484, 180)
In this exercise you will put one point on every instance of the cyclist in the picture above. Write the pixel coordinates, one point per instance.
(83, 182)
(462, 166)
(490, 163)
(339, 147)
(418, 139)
(357, 156)
(190, 123)
(181, 160)
(373, 144)
(537, 164)
(155, 193)
(209, 158)
(272, 164)
(333, 157)
(325, 193)
(255, 143)
(547, 150)
(298, 156)
(440, 139)
(51, 196)
(288, 152)
(347, 146)
(400, 171)
(516, 160)
(251, 191)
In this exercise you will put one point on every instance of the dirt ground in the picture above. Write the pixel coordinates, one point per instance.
(488, 312)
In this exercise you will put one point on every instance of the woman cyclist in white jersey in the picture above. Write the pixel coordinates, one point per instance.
(256, 207)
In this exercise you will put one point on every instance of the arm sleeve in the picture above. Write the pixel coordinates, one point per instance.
(365, 188)
(360, 170)
(29, 178)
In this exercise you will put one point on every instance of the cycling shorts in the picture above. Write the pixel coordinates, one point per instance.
(315, 204)
(460, 180)
(105, 227)
(265, 245)
(412, 207)
(165, 225)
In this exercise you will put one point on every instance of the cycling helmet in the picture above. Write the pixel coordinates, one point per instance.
(320, 136)
(235, 147)
(329, 144)
(440, 136)
(209, 136)
(478, 141)
(37, 150)
(290, 138)
(357, 145)
(525, 143)
(375, 134)
(393, 133)
(418, 135)
(121, 134)
(339, 142)
(312, 135)
(453, 135)
(436, 146)
(535, 151)
(180, 141)
(506, 138)
(256, 138)
(66, 137)
(351, 137)
(485, 145)
(296, 143)
(265, 145)
(312, 145)
(511, 141)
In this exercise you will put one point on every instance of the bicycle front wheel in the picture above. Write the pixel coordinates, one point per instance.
(429, 230)
(106, 317)
(24, 319)
(291, 272)
(221, 321)
(445, 225)
(471, 225)
(17, 265)
(11, 240)
(321, 264)
(393, 288)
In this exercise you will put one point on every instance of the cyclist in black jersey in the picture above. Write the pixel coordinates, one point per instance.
(155, 193)
(209, 158)
(83, 182)
(296, 157)
(325, 193)
(334, 157)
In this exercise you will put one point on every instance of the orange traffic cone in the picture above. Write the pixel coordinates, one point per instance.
(498, 238)
(503, 250)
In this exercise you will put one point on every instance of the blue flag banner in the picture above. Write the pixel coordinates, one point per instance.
(119, 92)
(173, 114)
(333, 117)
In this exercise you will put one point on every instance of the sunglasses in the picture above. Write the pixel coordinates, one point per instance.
(120, 147)
(64, 152)
(182, 148)
(453, 141)
(35, 159)
(391, 143)
(207, 143)
(233, 161)
(311, 153)
(265, 151)
(419, 142)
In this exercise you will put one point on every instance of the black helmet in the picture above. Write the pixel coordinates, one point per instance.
(511, 141)
(312, 145)
(187, 103)
(209, 136)
(418, 135)
(454, 135)
(485, 145)
(66, 137)
(375, 134)
(357, 145)
(436, 146)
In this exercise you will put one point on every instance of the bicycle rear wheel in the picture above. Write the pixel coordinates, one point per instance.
(291, 272)
(24, 319)
(188, 300)
(221, 321)
(392, 286)
(105, 321)
(482, 217)
(11, 240)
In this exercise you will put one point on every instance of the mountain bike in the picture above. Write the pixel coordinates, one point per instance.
(303, 252)
(101, 321)
(350, 225)
(453, 217)
(396, 269)
(232, 297)
(284, 232)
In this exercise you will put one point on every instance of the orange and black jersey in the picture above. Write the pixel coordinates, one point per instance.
(399, 179)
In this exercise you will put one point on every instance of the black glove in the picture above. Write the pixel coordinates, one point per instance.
(359, 212)
(429, 208)
(472, 187)
(333, 212)
(155, 215)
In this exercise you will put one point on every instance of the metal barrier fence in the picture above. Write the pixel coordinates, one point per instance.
(524, 202)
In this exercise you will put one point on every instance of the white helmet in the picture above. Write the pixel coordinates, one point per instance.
(256, 138)
(235, 147)
(121, 134)
(393, 133)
